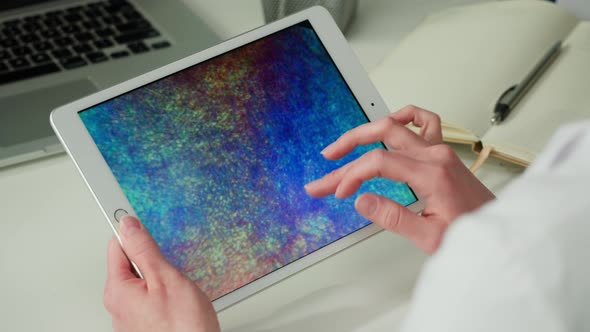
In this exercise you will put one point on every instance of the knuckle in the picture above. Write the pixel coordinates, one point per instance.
(412, 108)
(332, 175)
(378, 154)
(391, 218)
(443, 177)
(388, 126)
(376, 157)
(390, 122)
(442, 152)
(434, 117)
(337, 174)
(442, 173)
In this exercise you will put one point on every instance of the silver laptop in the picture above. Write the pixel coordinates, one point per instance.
(53, 52)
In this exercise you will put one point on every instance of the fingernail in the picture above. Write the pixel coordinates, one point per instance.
(129, 225)
(310, 184)
(366, 205)
(327, 149)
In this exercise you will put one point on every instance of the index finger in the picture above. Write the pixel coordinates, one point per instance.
(345, 181)
(386, 130)
(383, 164)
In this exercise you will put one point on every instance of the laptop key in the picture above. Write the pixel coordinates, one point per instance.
(135, 36)
(21, 51)
(120, 54)
(42, 46)
(96, 57)
(40, 57)
(62, 53)
(111, 20)
(132, 15)
(11, 30)
(103, 43)
(82, 48)
(19, 63)
(31, 26)
(8, 42)
(138, 47)
(72, 18)
(133, 26)
(52, 22)
(161, 44)
(29, 38)
(93, 13)
(107, 32)
(84, 37)
(73, 62)
(92, 24)
(4, 55)
(70, 28)
(63, 42)
(50, 33)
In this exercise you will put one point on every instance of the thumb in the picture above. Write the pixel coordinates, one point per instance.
(399, 219)
(142, 250)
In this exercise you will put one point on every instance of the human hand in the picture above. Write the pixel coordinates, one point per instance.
(165, 300)
(431, 168)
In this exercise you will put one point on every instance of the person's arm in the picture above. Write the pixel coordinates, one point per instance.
(521, 262)
(432, 169)
(165, 300)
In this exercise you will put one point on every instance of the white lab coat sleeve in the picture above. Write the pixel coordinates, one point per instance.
(522, 262)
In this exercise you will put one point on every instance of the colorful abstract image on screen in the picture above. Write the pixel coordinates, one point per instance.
(214, 158)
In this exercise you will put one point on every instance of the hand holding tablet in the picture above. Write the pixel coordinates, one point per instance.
(165, 300)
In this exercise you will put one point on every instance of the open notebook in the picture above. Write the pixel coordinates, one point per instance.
(457, 63)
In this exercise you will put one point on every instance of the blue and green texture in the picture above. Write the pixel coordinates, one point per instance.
(214, 158)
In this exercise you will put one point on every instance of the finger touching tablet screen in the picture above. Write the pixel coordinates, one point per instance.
(212, 154)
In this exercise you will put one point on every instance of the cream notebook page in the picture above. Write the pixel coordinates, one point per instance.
(458, 62)
(560, 96)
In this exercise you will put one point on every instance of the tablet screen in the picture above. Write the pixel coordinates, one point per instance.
(214, 158)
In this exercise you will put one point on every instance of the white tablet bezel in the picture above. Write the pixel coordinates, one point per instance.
(110, 197)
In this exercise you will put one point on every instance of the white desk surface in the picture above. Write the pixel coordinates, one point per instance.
(53, 238)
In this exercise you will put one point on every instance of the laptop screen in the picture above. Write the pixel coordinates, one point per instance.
(214, 158)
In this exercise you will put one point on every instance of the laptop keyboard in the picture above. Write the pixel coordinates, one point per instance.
(72, 38)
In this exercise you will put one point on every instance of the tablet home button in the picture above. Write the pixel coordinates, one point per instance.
(120, 213)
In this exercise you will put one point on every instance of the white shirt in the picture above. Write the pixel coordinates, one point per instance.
(521, 262)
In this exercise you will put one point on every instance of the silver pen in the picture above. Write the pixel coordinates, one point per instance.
(514, 94)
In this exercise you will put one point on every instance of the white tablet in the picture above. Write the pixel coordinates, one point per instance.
(212, 153)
